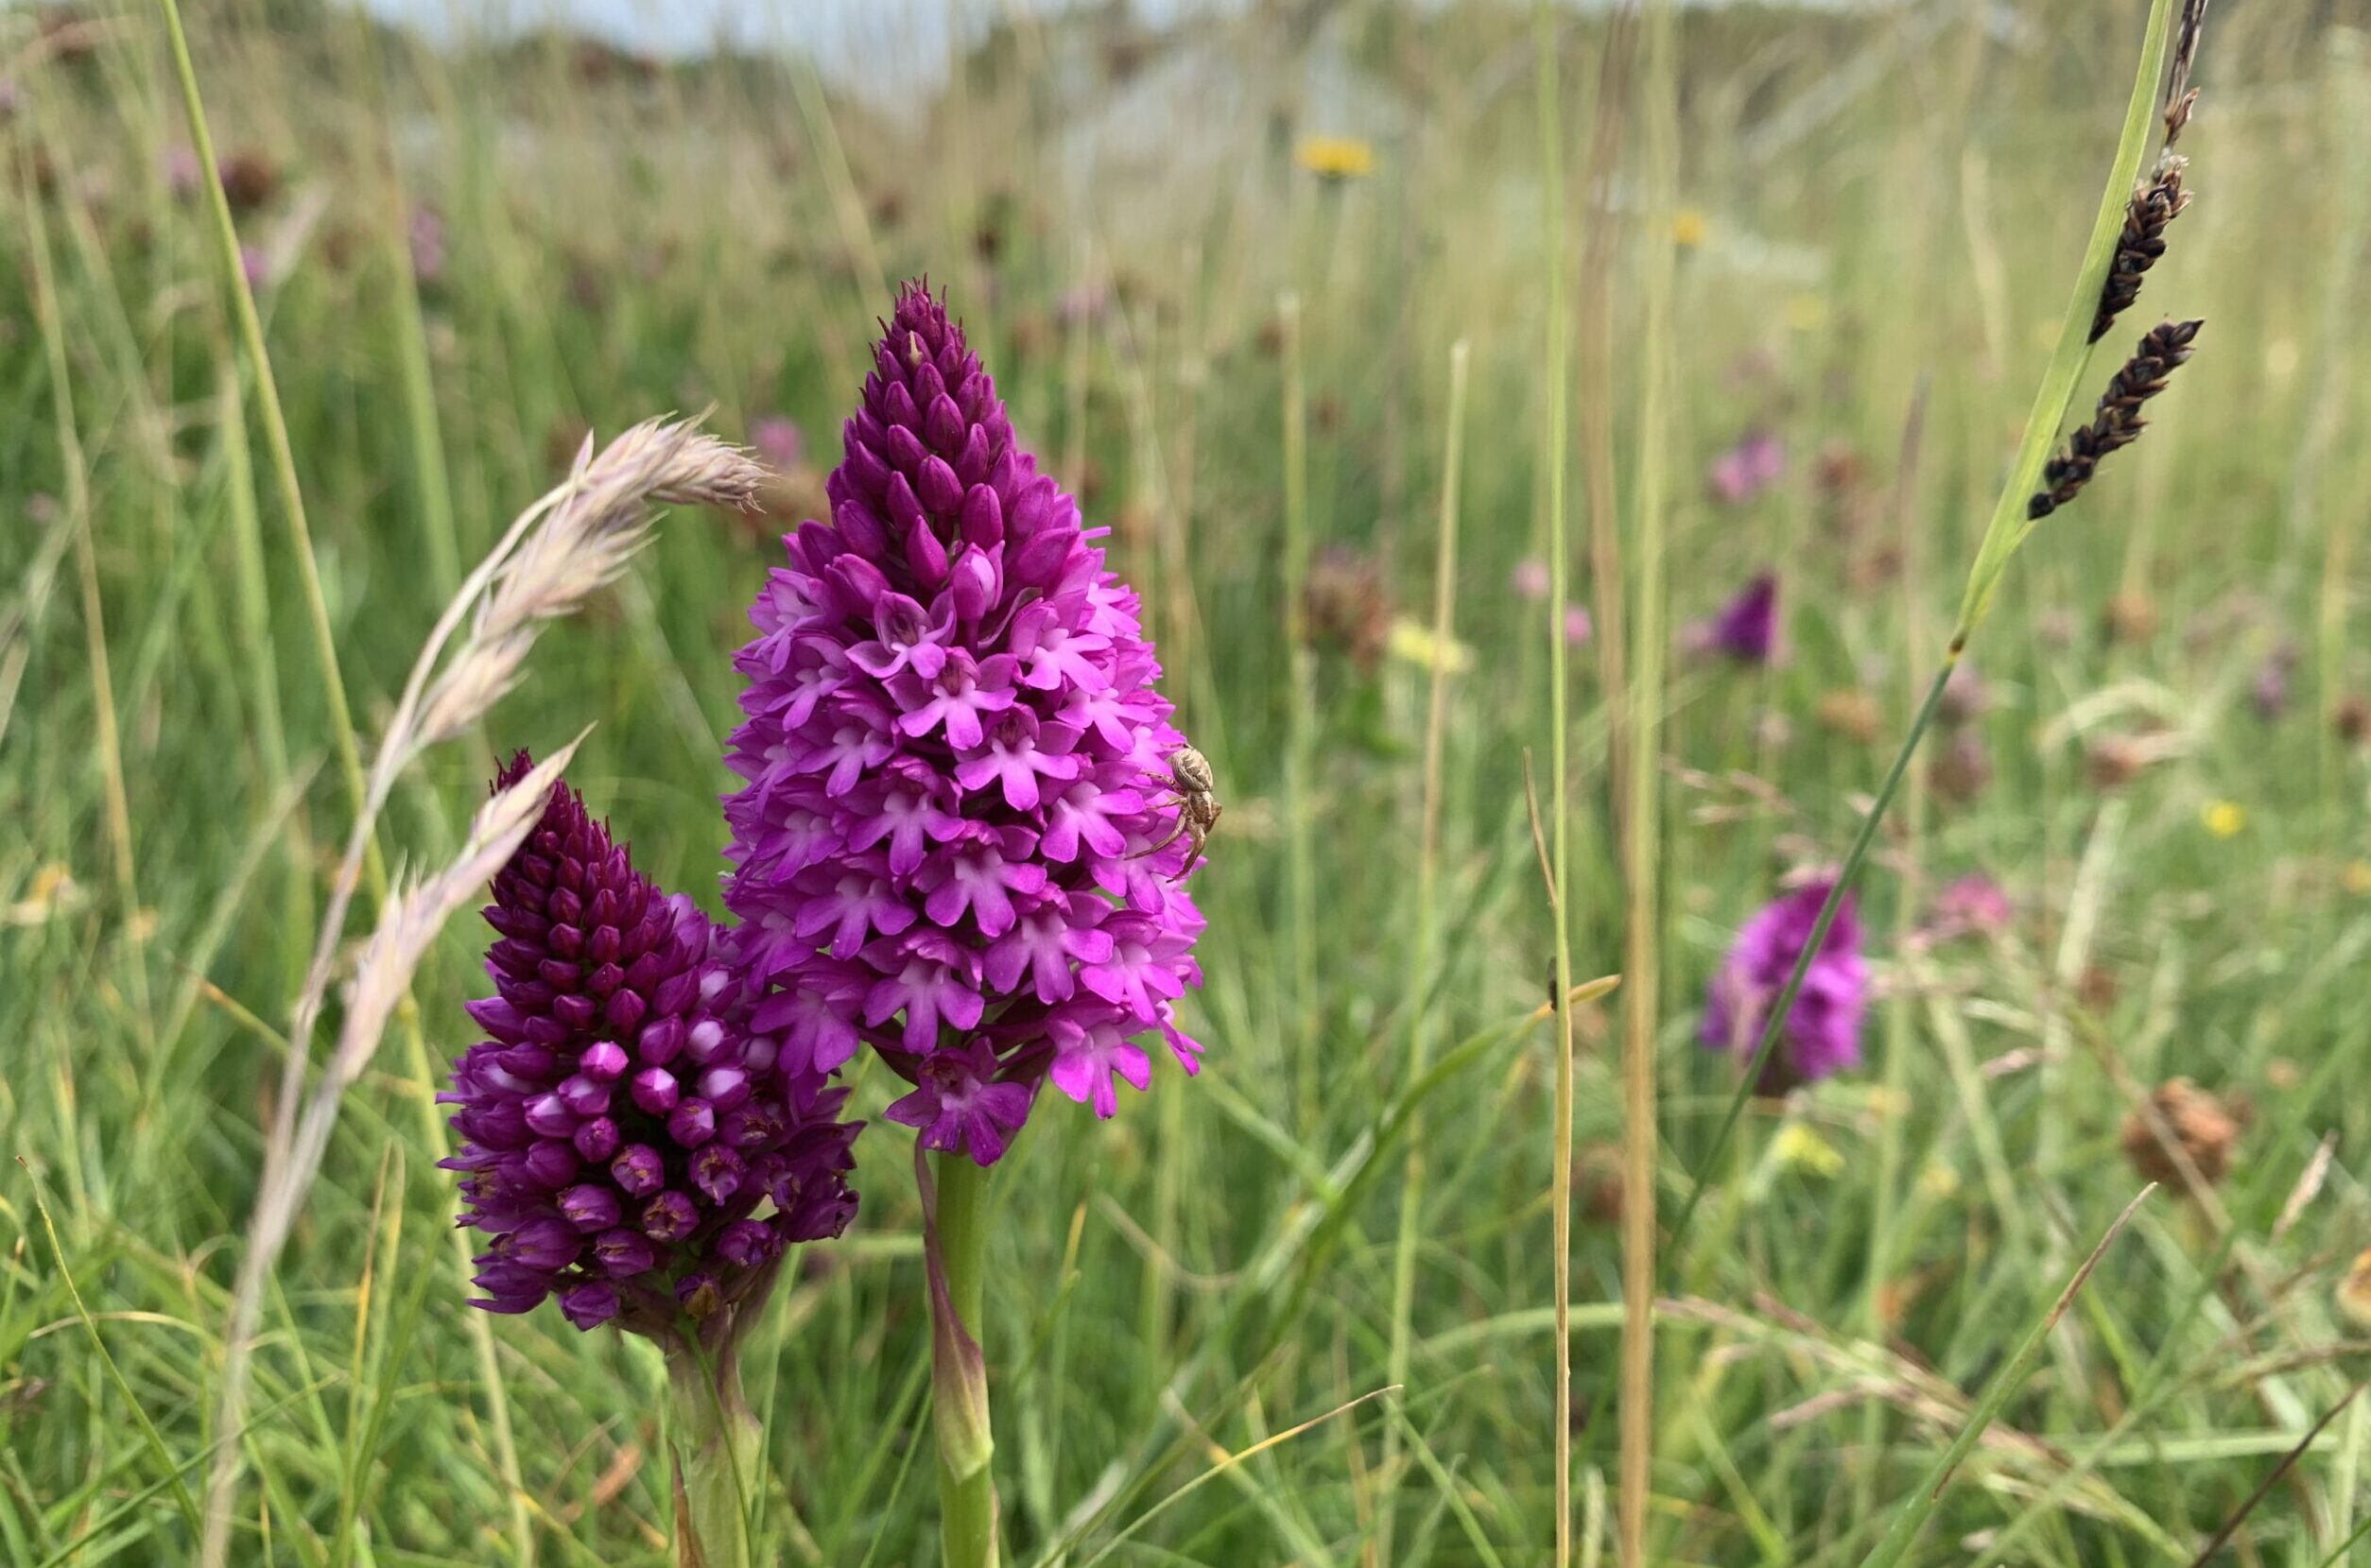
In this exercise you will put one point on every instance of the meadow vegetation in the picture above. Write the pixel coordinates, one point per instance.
(1245, 281)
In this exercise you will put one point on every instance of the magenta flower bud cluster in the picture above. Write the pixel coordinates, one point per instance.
(629, 1143)
(1823, 1029)
(955, 839)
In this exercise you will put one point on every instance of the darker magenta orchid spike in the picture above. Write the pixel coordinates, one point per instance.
(623, 1129)
(954, 838)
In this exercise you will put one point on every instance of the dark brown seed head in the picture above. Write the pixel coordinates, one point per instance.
(2116, 421)
(2155, 203)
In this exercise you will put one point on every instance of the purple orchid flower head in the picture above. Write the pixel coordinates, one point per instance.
(425, 235)
(2268, 693)
(1823, 1029)
(1758, 461)
(778, 441)
(1974, 905)
(1746, 629)
(627, 1142)
(1529, 579)
(952, 841)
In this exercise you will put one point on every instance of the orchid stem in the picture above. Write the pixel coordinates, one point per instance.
(956, 1247)
(714, 1442)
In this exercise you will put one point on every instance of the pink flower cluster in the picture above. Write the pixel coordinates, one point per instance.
(954, 840)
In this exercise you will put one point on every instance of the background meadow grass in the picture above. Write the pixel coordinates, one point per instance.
(1870, 228)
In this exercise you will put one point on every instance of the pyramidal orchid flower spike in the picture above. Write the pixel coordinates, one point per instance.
(631, 1147)
(954, 840)
(1823, 1030)
(954, 765)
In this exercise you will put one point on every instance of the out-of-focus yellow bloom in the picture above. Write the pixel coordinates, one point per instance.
(1937, 1182)
(2223, 818)
(2356, 878)
(1806, 312)
(1799, 1148)
(51, 892)
(1688, 227)
(2354, 1292)
(1335, 157)
(1884, 1102)
(1414, 642)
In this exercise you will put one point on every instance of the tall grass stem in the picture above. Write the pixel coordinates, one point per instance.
(1425, 934)
(1552, 452)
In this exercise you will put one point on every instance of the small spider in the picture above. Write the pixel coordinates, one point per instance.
(1196, 800)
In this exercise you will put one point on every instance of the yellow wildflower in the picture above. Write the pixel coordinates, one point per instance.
(1806, 312)
(2354, 1292)
(1688, 227)
(51, 892)
(1799, 1148)
(2223, 818)
(1336, 158)
(1937, 1182)
(2356, 878)
(1414, 642)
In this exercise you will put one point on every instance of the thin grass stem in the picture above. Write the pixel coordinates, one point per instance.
(1424, 936)
(1559, 759)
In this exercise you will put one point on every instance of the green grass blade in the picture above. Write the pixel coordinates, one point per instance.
(1915, 1509)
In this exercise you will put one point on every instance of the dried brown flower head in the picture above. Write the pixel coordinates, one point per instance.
(2200, 1125)
(1850, 714)
(2130, 617)
(2352, 719)
(1596, 1178)
(1348, 606)
(249, 178)
(1962, 768)
(2096, 988)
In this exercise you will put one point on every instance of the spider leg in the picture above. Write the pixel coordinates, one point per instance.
(1199, 834)
(1183, 826)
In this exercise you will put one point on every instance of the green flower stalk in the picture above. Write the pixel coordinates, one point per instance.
(955, 1246)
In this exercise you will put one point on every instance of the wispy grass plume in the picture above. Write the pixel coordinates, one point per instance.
(571, 542)
(408, 924)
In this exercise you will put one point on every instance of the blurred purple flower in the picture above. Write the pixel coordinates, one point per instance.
(1823, 1029)
(623, 1125)
(1973, 905)
(182, 170)
(1756, 462)
(778, 441)
(1529, 579)
(1578, 627)
(2269, 691)
(952, 843)
(254, 267)
(426, 237)
(1965, 696)
(1082, 304)
(1746, 627)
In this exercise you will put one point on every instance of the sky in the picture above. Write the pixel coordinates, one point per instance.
(845, 36)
